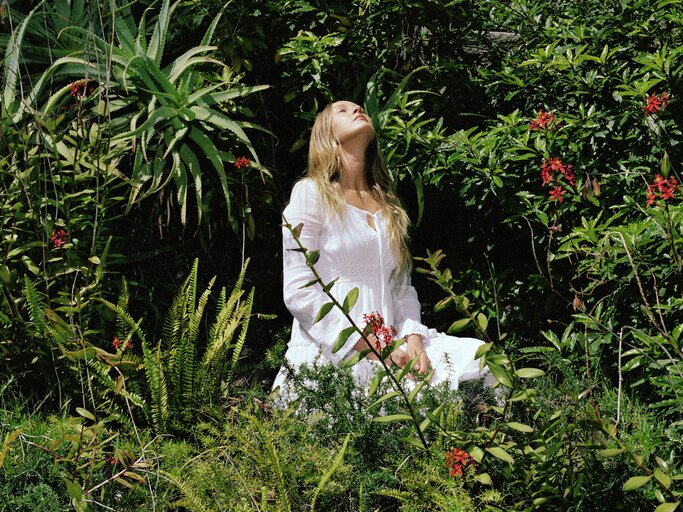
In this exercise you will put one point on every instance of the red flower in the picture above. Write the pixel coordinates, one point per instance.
(661, 188)
(553, 169)
(543, 120)
(385, 334)
(656, 102)
(242, 162)
(80, 88)
(118, 343)
(456, 459)
(59, 237)
(557, 193)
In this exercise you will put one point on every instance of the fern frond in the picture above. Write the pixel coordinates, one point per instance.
(35, 305)
(246, 316)
(198, 313)
(330, 471)
(192, 286)
(156, 380)
(122, 303)
(191, 500)
(237, 292)
(221, 299)
(127, 320)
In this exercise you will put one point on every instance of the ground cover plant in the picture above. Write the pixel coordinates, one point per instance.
(146, 147)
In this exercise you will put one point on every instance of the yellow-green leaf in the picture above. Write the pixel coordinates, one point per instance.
(483, 478)
(458, 325)
(611, 452)
(635, 482)
(85, 413)
(667, 507)
(529, 373)
(483, 349)
(350, 299)
(482, 321)
(521, 427)
(663, 478)
(392, 418)
(501, 454)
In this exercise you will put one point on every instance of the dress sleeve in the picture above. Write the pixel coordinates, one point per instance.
(305, 208)
(407, 308)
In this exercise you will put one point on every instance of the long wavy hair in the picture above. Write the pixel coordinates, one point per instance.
(325, 168)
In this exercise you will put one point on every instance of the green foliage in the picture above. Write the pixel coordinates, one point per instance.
(186, 373)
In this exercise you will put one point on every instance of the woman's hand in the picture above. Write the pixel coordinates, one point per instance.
(397, 357)
(415, 348)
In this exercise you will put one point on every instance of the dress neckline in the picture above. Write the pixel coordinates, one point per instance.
(362, 210)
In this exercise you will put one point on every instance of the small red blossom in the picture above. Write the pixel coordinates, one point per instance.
(119, 343)
(110, 459)
(543, 120)
(59, 237)
(557, 193)
(661, 188)
(374, 322)
(553, 169)
(456, 460)
(655, 103)
(81, 88)
(242, 162)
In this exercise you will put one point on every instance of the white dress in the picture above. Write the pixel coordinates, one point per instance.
(359, 256)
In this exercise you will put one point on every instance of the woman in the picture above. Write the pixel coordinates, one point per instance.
(351, 215)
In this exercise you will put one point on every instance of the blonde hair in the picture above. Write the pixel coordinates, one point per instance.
(325, 168)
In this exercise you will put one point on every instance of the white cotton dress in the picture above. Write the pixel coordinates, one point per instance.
(359, 256)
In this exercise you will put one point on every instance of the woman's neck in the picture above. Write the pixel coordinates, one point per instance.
(353, 176)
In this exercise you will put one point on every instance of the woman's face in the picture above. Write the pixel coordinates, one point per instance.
(349, 123)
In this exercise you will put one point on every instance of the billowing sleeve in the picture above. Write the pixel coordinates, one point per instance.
(407, 308)
(305, 208)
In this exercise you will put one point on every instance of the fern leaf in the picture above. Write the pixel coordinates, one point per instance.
(156, 380)
(191, 500)
(127, 319)
(35, 305)
(331, 470)
(196, 318)
(237, 350)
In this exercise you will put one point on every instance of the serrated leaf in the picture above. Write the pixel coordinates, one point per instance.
(635, 482)
(324, 310)
(350, 299)
(458, 325)
(342, 338)
(392, 418)
(529, 373)
(521, 427)
(501, 454)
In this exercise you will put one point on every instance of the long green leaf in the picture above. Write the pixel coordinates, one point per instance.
(11, 72)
